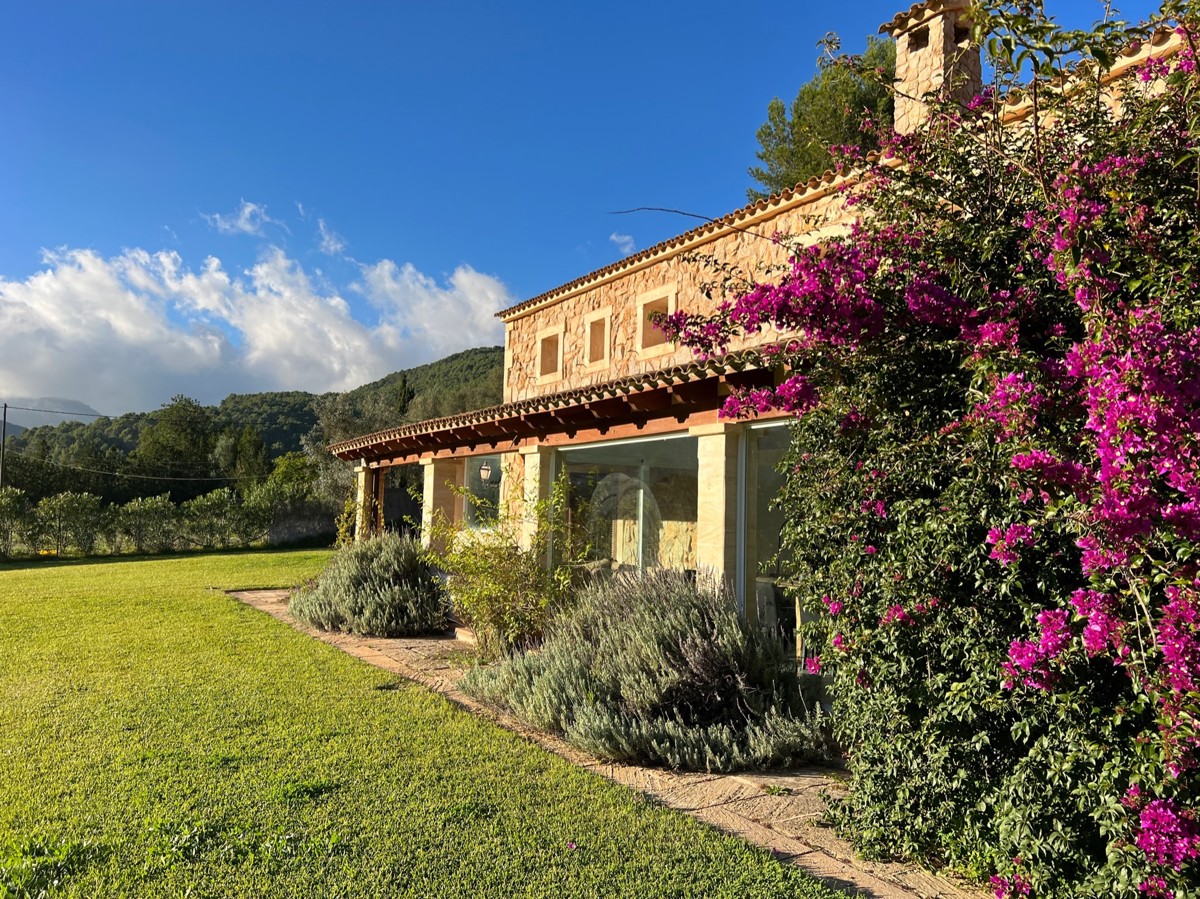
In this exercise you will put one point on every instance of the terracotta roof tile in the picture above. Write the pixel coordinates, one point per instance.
(918, 13)
(744, 360)
(1162, 42)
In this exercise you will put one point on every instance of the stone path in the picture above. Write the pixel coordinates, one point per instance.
(781, 812)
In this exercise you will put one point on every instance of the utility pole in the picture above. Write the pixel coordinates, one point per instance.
(3, 440)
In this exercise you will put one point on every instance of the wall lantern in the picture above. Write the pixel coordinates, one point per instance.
(485, 473)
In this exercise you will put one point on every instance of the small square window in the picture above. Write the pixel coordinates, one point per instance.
(548, 363)
(918, 40)
(597, 340)
(651, 335)
(652, 341)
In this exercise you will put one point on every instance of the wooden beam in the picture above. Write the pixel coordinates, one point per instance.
(649, 401)
(750, 378)
(640, 427)
(693, 392)
(611, 407)
(684, 398)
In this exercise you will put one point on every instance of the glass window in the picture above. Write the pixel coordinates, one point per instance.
(764, 521)
(482, 502)
(636, 500)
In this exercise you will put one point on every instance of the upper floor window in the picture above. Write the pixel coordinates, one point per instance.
(597, 338)
(550, 354)
(651, 340)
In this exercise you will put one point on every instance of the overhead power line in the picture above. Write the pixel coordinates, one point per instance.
(695, 215)
(121, 474)
(61, 412)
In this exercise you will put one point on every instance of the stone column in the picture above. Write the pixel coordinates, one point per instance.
(716, 507)
(933, 49)
(537, 488)
(512, 486)
(367, 483)
(441, 499)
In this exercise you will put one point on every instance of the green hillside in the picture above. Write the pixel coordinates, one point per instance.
(280, 418)
(468, 380)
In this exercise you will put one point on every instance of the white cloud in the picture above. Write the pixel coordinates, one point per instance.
(623, 242)
(417, 313)
(332, 243)
(128, 332)
(250, 218)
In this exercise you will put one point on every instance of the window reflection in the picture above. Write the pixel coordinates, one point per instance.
(636, 501)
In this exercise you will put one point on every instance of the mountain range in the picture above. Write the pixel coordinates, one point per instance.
(30, 412)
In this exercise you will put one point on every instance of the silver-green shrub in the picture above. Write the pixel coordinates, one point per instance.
(655, 668)
(383, 587)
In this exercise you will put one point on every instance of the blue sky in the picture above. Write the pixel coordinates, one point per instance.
(240, 196)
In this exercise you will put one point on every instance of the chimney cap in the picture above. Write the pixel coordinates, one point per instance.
(920, 13)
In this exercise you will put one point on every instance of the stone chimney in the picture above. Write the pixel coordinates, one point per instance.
(933, 51)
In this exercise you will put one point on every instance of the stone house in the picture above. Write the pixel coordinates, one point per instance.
(595, 393)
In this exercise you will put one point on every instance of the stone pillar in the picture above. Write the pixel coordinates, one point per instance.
(512, 486)
(368, 483)
(749, 583)
(537, 486)
(716, 506)
(441, 498)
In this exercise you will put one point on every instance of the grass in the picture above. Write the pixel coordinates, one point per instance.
(158, 738)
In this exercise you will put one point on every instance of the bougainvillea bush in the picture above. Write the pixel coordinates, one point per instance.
(993, 493)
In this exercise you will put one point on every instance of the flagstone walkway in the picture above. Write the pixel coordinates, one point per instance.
(782, 812)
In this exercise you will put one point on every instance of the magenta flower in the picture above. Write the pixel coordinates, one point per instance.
(1003, 543)
(1010, 887)
(1156, 888)
(1168, 834)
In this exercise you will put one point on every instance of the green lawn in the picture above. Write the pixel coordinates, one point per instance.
(158, 738)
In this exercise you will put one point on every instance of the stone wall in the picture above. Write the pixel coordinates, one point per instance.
(675, 273)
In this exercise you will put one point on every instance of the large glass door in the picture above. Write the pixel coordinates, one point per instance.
(762, 587)
(636, 500)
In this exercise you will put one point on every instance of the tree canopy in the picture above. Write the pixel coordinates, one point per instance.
(121, 458)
